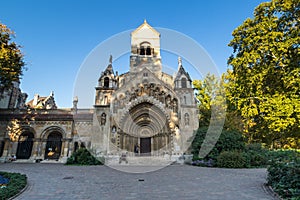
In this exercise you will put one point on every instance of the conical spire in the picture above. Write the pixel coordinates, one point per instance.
(181, 70)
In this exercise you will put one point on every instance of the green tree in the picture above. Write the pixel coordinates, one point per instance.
(265, 78)
(205, 90)
(11, 59)
(214, 92)
(210, 96)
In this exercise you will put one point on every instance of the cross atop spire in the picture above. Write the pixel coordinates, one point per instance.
(110, 59)
(179, 61)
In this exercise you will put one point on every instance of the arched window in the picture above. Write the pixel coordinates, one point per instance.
(106, 82)
(184, 99)
(183, 83)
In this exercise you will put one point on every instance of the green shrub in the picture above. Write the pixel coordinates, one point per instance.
(282, 155)
(229, 140)
(16, 183)
(255, 155)
(231, 159)
(83, 157)
(284, 174)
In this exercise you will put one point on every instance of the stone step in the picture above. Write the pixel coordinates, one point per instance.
(138, 161)
(24, 161)
(51, 161)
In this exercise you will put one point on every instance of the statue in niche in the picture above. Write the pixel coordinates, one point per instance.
(145, 89)
(162, 97)
(142, 90)
(168, 101)
(174, 106)
(151, 90)
(103, 119)
(126, 97)
(186, 119)
(132, 96)
(156, 93)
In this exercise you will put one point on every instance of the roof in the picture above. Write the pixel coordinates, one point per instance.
(145, 24)
(42, 102)
(181, 71)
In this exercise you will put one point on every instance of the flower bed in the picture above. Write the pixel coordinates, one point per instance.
(11, 184)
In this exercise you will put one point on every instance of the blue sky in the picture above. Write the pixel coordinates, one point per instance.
(58, 35)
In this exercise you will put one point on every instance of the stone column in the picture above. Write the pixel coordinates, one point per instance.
(14, 147)
(152, 147)
(167, 143)
(43, 148)
(35, 148)
(38, 143)
(71, 147)
(6, 149)
(66, 147)
(124, 141)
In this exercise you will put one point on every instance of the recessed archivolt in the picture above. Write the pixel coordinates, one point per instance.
(28, 129)
(51, 129)
(120, 117)
(145, 119)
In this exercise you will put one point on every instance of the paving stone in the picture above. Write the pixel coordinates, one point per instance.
(46, 181)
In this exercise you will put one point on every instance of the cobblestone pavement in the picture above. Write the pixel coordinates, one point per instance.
(56, 181)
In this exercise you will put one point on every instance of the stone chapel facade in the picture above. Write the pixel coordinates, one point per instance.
(144, 107)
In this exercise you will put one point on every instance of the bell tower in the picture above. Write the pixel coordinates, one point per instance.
(107, 83)
(145, 49)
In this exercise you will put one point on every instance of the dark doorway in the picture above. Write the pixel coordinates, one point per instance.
(145, 146)
(2, 143)
(25, 144)
(53, 146)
